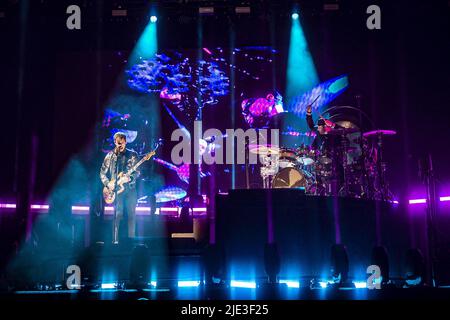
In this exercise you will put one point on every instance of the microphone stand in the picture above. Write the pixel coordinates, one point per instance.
(430, 183)
(115, 224)
(246, 156)
(380, 168)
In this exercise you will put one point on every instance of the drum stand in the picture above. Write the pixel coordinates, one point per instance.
(368, 189)
(268, 170)
(267, 181)
(344, 189)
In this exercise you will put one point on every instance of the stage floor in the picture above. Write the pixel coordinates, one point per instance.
(227, 293)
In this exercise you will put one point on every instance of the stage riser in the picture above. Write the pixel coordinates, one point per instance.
(304, 229)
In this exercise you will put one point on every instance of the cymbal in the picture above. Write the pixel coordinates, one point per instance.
(379, 132)
(263, 149)
(347, 124)
(342, 131)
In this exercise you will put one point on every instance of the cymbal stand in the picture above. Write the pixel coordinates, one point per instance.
(384, 192)
(367, 183)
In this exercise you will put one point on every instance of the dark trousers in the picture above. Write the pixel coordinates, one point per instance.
(125, 206)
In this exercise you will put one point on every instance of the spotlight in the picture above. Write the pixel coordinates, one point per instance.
(153, 19)
(184, 284)
(91, 265)
(360, 285)
(140, 266)
(317, 284)
(295, 16)
(214, 261)
(291, 283)
(380, 259)
(415, 268)
(271, 262)
(112, 285)
(339, 266)
(243, 284)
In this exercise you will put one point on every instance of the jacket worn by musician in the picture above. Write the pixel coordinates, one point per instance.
(323, 142)
(320, 140)
(125, 161)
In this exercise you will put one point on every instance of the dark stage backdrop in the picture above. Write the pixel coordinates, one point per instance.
(58, 82)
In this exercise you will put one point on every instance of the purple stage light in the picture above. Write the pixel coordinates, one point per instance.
(423, 200)
(39, 207)
(8, 205)
(417, 201)
(109, 210)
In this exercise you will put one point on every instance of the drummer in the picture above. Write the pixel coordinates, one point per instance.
(323, 140)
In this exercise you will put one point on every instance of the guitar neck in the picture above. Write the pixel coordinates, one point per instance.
(134, 168)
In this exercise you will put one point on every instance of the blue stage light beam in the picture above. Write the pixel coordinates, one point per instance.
(319, 96)
(243, 284)
(147, 44)
(301, 71)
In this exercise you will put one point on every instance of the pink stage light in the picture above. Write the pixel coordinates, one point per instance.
(423, 200)
(8, 205)
(417, 201)
(80, 208)
(143, 209)
(39, 206)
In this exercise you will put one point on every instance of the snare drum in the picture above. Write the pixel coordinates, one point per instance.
(305, 156)
(287, 158)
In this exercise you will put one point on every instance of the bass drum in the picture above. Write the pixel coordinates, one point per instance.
(291, 178)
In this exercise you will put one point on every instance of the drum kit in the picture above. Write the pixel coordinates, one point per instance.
(351, 166)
